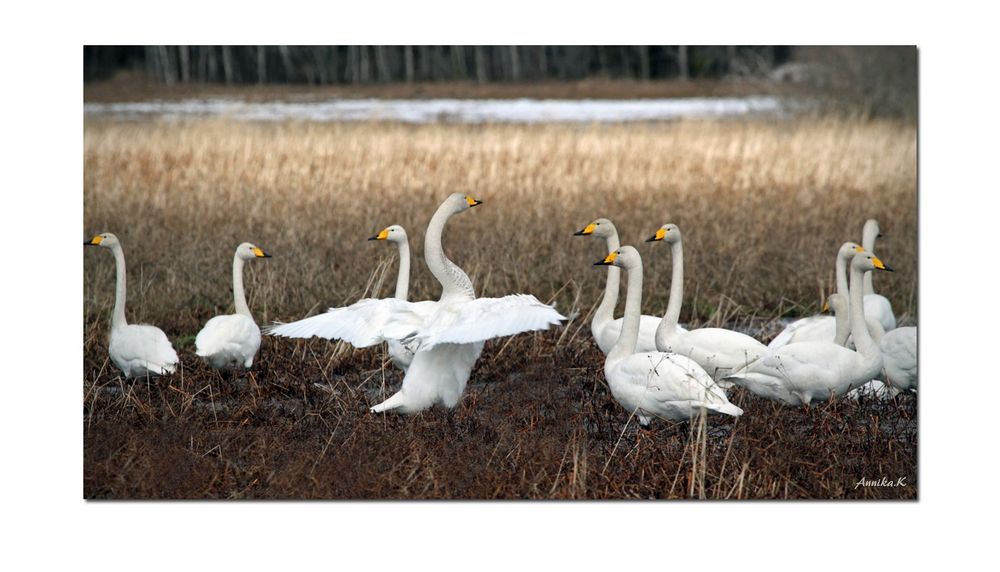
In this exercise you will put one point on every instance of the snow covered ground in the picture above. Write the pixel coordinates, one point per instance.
(449, 110)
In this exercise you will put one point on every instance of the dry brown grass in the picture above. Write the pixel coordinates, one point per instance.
(764, 207)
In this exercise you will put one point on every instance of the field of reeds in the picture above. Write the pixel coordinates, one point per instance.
(763, 207)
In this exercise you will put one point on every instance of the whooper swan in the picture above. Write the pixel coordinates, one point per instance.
(449, 332)
(139, 350)
(799, 374)
(605, 328)
(655, 384)
(232, 340)
(718, 350)
(401, 354)
(899, 354)
(876, 305)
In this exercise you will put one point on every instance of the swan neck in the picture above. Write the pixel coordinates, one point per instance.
(625, 346)
(869, 289)
(842, 275)
(118, 314)
(843, 321)
(606, 310)
(239, 297)
(868, 243)
(443, 269)
(403, 278)
(859, 327)
(668, 325)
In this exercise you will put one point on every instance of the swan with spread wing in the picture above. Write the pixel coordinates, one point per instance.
(448, 333)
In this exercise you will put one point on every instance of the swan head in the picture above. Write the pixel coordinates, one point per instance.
(669, 233)
(460, 202)
(625, 257)
(601, 228)
(849, 249)
(394, 233)
(105, 239)
(248, 251)
(867, 260)
(871, 229)
(837, 302)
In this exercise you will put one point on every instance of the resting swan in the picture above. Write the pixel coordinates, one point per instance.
(401, 354)
(655, 384)
(823, 328)
(718, 350)
(232, 340)
(139, 350)
(605, 328)
(876, 305)
(449, 332)
(799, 374)
(899, 356)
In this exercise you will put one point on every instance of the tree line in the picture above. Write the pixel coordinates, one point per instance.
(325, 65)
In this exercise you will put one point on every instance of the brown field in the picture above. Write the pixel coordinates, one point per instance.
(763, 207)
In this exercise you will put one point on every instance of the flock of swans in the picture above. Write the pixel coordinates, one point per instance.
(654, 367)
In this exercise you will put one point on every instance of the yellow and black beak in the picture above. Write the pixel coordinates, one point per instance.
(260, 253)
(94, 241)
(608, 260)
(826, 306)
(880, 265)
(472, 202)
(658, 236)
(381, 236)
(586, 231)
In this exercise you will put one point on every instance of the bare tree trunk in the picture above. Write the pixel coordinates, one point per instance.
(286, 61)
(480, 65)
(227, 64)
(425, 62)
(168, 71)
(730, 58)
(408, 62)
(682, 61)
(352, 61)
(183, 52)
(381, 65)
(261, 65)
(644, 68)
(458, 70)
(543, 63)
(515, 64)
(364, 64)
(322, 73)
(335, 64)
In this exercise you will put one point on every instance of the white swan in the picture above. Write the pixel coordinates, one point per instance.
(876, 305)
(605, 328)
(899, 354)
(449, 332)
(401, 354)
(823, 328)
(718, 350)
(655, 384)
(232, 340)
(874, 389)
(139, 350)
(799, 374)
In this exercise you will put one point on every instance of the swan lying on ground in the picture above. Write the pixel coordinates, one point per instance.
(655, 384)
(823, 328)
(605, 328)
(449, 333)
(139, 350)
(232, 340)
(401, 354)
(801, 373)
(876, 305)
(718, 350)
(899, 356)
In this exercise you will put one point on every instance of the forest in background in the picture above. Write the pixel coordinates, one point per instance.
(873, 80)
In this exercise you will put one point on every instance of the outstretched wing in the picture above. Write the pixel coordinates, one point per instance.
(362, 324)
(485, 318)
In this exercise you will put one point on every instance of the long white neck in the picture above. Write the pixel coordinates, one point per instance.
(118, 314)
(868, 243)
(859, 327)
(454, 281)
(843, 322)
(668, 325)
(842, 275)
(625, 346)
(606, 310)
(239, 297)
(403, 278)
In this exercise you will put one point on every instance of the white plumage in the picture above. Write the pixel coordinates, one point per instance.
(448, 333)
(899, 356)
(232, 340)
(655, 384)
(815, 371)
(139, 350)
(876, 306)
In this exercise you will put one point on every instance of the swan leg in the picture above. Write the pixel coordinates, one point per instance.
(397, 400)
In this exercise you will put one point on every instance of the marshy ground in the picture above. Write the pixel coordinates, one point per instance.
(763, 206)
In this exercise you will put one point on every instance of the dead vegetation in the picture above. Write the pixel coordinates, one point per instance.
(764, 207)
